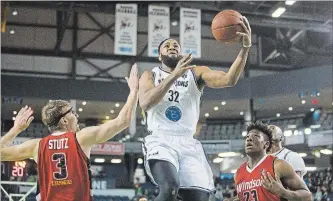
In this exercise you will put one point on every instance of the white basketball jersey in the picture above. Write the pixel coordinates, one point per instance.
(178, 112)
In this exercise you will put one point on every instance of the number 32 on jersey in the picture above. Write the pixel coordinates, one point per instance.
(174, 95)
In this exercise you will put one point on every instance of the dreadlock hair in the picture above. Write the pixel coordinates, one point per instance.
(258, 125)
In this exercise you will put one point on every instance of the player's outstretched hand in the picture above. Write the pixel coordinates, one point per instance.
(182, 65)
(272, 185)
(133, 80)
(23, 118)
(246, 34)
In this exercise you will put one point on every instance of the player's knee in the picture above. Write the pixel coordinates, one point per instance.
(169, 190)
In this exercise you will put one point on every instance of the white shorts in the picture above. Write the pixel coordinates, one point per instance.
(186, 154)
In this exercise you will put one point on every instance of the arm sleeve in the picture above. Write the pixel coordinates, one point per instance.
(296, 162)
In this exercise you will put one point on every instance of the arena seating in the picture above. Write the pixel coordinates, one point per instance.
(208, 131)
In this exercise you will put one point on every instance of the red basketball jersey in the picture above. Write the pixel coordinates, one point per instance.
(63, 169)
(248, 182)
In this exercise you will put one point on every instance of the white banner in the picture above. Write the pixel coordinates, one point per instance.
(190, 31)
(158, 27)
(125, 39)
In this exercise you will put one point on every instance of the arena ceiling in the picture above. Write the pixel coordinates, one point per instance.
(300, 38)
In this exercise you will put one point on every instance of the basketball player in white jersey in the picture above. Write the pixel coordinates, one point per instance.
(281, 152)
(170, 95)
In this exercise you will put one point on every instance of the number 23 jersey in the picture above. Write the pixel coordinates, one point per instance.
(178, 111)
(63, 169)
(248, 181)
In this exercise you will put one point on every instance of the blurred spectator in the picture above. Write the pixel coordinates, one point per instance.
(142, 198)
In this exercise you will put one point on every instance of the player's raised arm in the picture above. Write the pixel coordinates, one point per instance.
(295, 189)
(220, 79)
(149, 94)
(98, 134)
(22, 121)
(23, 151)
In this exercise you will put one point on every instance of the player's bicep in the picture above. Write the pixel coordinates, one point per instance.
(288, 176)
(19, 152)
(214, 78)
(99, 134)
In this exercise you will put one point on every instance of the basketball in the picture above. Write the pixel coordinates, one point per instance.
(225, 25)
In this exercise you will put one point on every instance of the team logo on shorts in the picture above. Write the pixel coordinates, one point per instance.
(173, 113)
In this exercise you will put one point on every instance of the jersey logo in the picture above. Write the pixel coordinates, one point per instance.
(173, 113)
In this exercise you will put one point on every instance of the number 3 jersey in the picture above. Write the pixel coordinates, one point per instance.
(63, 169)
(248, 181)
(178, 111)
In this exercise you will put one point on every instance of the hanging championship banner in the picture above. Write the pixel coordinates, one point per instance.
(158, 27)
(125, 39)
(190, 31)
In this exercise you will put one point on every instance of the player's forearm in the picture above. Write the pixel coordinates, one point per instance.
(155, 95)
(8, 138)
(129, 109)
(238, 66)
(298, 195)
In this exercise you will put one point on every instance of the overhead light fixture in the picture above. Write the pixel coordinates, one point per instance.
(312, 109)
(174, 23)
(12, 31)
(80, 109)
(116, 160)
(127, 136)
(99, 160)
(117, 104)
(206, 114)
(278, 12)
(287, 133)
(140, 161)
(216, 108)
(217, 160)
(241, 113)
(311, 168)
(307, 131)
(13, 118)
(14, 12)
(233, 171)
(84, 103)
(302, 154)
(289, 3)
(223, 103)
(107, 117)
(244, 133)
(229, 154)
(290, 108)
(326, 151)
(14, 112)
(303, 102)
(278, 115)
(111, 111)
(318, 94)
(296, 132)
